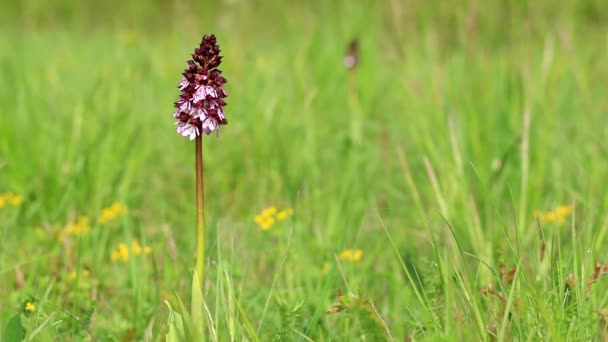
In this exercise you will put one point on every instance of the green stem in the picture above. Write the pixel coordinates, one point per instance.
(200, 212)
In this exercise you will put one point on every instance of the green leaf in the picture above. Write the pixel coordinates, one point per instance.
(14, 331)
(176, 326)
(40, 327)
(197, 309)
(186, 319)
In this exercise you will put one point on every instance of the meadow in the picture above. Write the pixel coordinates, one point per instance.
(450, 187)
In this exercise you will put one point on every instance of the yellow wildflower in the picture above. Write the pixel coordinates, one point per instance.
(267, 217)
(136, 247)
(112, 212)
(549, 217)
(285, 213)
(557, 215)
(267, 223)
(80, 226)
(83, 273)
(15, 200)
(259, 219)
(269, 211)
(122, 252)
(10, 198)
(353, 255)
(30, 307)
(564, 210)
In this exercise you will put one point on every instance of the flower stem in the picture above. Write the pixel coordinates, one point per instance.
(200, 213)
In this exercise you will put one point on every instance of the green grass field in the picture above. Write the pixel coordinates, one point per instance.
(452, 187)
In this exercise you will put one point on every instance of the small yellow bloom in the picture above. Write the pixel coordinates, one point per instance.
(81, 226)
(549, 217)
(30, 307)
(269, 211)
(557, 215)
(353, 255)
(123, 252)
(564, 210)
(259, 219)
(15, 200)
(114, 255)
(267, 217)
(112, 212)
(267, 223)
(10, 198)
(83, 274)
(136, 247)
(285, 213)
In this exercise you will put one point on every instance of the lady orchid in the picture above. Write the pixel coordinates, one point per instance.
(200, 107)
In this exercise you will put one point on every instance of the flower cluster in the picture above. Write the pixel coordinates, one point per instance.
(267, 217)
(556, 215)
(353, 255)
(112, 212)
(80, 226)
(200, 107)
(123, 251)
(10, 198)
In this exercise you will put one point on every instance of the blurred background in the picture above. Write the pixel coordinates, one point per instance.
(461, 123)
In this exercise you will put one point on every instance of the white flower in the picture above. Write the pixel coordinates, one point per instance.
(220, 113)
(209, 125)
(183, 84)
(199, 113)
(350, 61)
(211, 91)
(184, 105)
(202, 92)
(187, 130)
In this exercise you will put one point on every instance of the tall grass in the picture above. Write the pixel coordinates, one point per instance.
(463, 121)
